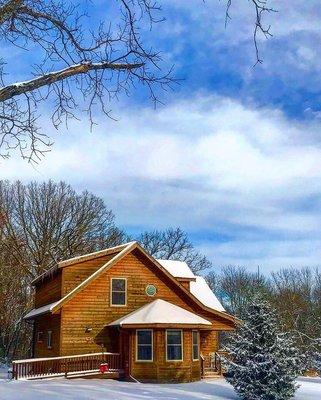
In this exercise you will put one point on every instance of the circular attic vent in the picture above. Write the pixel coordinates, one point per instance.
(151, 290)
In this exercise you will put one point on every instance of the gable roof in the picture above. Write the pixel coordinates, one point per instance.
(204, 293)
(78, 259)
(121, 252)
(160, 312)
(126, 250)
(179, 269)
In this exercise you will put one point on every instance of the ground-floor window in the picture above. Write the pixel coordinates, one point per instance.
(49, 339)
(144, 345)
(195, 345)
(39, 337)
(174, 345)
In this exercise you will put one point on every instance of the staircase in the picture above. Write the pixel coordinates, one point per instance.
(211, 366)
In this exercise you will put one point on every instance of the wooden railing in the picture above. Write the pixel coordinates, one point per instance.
(59, 366)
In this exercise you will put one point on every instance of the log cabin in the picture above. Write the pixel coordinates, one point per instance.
(156, 316)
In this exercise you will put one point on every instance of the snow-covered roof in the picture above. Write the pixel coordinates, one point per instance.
(204, 294)
(75, 260)
(178, 269)
(198, 286)
(160, 312)
(41, 310)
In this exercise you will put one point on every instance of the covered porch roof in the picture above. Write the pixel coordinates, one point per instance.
(35, 312)
(163, 314)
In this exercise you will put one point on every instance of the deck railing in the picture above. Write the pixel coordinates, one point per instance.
(59, 366)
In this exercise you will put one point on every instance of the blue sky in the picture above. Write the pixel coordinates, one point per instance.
(233, 156)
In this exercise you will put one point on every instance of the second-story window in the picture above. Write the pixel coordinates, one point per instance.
(40, 337)
(118, 291)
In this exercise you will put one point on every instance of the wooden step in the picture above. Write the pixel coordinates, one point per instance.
(211, 375)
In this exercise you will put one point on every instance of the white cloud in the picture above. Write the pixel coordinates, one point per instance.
(208, 165)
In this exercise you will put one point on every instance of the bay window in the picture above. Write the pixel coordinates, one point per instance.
(174, 345)
(195, 345)
(144, 345)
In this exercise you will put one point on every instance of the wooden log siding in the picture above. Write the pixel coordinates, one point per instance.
(75, 274)
(91, 307)
(49, 290)
(59, 366)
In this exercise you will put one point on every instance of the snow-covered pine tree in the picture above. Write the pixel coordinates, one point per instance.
(264, 362)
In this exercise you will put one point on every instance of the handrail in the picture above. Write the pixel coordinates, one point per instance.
(58, 366)
(60, 358)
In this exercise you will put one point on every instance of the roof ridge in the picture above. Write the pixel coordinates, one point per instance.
(94, 254)
(130, 246)
(82, 258)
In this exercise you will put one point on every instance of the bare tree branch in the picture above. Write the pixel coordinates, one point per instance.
(53, 77)
(261, 8)
(74, 66)
(77, 68)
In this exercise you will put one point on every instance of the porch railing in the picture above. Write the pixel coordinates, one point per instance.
(59, 366)
(213, 362)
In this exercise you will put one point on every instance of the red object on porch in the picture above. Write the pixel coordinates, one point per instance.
(104, 368)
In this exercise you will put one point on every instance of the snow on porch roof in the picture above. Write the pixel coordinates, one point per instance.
(41, 310)
(160, 312)
(178, 269)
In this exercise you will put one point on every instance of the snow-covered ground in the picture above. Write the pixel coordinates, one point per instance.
(81, 389)
(3, 372)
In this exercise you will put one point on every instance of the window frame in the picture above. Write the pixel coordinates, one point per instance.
(111, 292)
(40, 337)
(182, 344)
(49, 339)
(196, 344)
(152, 345)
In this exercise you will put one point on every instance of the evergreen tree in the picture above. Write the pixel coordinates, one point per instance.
(264, 362)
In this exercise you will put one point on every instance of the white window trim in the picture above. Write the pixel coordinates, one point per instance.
(49, 342)
(182, 344)
(198, 345)
(111, 292)
(39, 340)
(152, 336)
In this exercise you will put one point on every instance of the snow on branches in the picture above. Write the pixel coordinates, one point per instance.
(264, 362)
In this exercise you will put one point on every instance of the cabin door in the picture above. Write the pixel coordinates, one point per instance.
(125, 350)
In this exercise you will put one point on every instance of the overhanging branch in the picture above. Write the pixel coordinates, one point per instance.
(8, 9)
(17, 89)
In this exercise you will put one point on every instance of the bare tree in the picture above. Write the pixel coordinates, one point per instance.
(295, 294)
(15, 299)
(39, 225)
(235, 286)
(173, 244)
(77, 69)
(72, 61)
(297, 298)
(42, 223)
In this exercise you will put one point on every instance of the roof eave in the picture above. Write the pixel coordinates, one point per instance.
(164, 325)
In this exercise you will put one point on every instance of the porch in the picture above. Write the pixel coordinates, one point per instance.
(70, 366)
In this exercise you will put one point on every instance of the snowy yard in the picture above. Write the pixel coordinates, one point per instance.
(80, 389)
